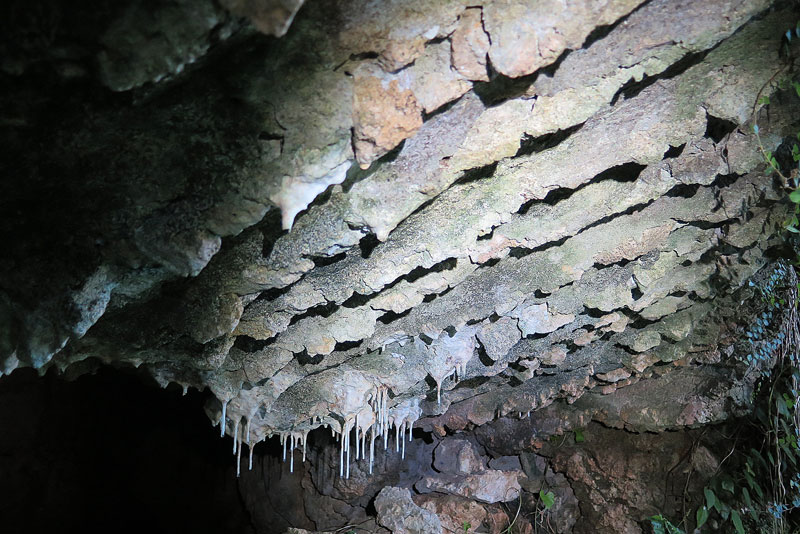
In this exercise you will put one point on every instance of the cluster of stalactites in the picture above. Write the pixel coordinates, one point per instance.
(372, 422)
(241, 437)
(459, 369)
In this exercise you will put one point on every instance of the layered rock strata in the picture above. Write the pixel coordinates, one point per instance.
(412, 213)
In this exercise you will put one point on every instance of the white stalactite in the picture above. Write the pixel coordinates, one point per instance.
(222, 420)
(372, 447)
(403, 434)
(291, 454)
(238, 458)
(356, 427)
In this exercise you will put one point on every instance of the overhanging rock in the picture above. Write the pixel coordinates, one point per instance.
(406, 213)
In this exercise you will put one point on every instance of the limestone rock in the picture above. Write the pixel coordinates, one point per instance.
(457, 456)
(470, 46)
(385, 113)
(398, 513)
(553, 223)
(488, 486)
(525, 39)
(432, 80)
(145, 44)
(272, 17)
(454, 512)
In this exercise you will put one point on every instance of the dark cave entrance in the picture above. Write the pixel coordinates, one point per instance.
(111, 452)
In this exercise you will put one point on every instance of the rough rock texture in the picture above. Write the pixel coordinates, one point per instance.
(398, 513)
(399, 218)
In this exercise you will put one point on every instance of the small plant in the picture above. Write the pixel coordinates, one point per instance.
(661, 525)
(547, 499)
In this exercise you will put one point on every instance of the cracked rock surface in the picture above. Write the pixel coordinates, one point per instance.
(390, 219)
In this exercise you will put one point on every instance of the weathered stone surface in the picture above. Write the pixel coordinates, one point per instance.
(432, 80)
(470, 46)
(272, 17)
(538, 233)
(398, 513)
(525, 38)
(386, 112)
(457, 456)
(488, 486)
(145, 44)
(454, 512)
(505, 463)
(601, 475)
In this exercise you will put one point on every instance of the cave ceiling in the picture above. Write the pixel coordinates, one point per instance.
(373, 215)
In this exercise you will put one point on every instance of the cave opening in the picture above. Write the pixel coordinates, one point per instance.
(111, 451)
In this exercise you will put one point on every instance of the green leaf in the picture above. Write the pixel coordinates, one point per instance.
(579, 438)
(548, 499)
(749, 503)
(727, 485)
(794, 196)
(657, 523)
(737, 522)
(702, 516)
(764, 101)
(755, 487)
(711, 499)
(781, 405)
(793, 229)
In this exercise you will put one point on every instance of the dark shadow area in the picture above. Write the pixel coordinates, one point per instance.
(110, 453)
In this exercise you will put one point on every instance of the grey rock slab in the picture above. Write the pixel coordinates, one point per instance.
(398, 513)
(489, 486)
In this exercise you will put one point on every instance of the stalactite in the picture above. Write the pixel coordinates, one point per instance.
(347, 453)
(356, 428)
(238, 456)
(291, 453)
(374, 419)
(222, 420)
(403, 434)
(372, 447)
(341, 457)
